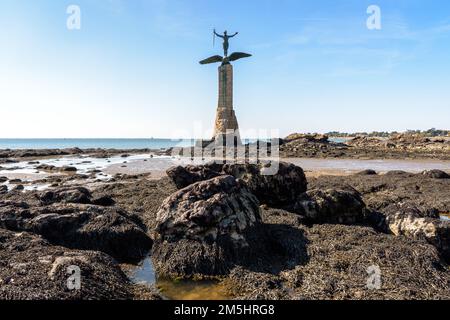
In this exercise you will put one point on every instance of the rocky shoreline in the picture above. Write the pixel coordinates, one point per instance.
(398, 146)
(279, 236)
(401, 146)
(8, 155)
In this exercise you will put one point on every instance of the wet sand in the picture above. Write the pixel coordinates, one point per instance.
(350, 166)
(313, 167)
(156, 166)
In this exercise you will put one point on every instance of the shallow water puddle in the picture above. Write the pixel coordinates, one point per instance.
(445, 216)
(192, 290)
(178, 289)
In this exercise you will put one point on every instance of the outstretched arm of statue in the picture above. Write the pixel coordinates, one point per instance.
(218, 35)
(234, 35)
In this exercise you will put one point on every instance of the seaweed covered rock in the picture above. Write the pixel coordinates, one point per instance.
(382, 191)
(79, 226)
(342, 260)
(32, 269)
(74, 195)
(367, 172)
(436, 174)
(203, 228)
(66, 195)
(409, 224)
(306, 137)
(331, 206)
(273, 183)
(185, 176)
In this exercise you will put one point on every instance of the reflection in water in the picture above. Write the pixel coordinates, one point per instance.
(144, 272)
(178, 289)
(192, 290)
(445, 216)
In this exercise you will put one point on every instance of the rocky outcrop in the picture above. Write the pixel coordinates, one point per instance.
(32, 269)
(436, 174)
(382, 191)
(202, 229)
(413, 223)
(185, 176)
(80, 226)
(402, 203)
(207, 210)
(341, 261)
(276, 184)
(321, 138)
(66, 195)
(331, 206)
(94, 152)
(142, 197)
(51, 168)
(402, 141)
(312, 146)
(68, 169)
(368, 172)
(365, 147)
(74, 195)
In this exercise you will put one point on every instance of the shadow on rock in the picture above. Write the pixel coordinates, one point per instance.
(280, 247)
(269, 248)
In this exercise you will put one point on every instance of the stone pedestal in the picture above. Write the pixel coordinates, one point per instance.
(226, 122)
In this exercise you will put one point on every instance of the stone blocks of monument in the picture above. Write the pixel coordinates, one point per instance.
(226, 122)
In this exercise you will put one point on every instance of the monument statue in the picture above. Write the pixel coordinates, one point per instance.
(226, 122)
(226, 44)
(225, 38)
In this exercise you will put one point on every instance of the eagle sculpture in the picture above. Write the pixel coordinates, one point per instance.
(226, 60)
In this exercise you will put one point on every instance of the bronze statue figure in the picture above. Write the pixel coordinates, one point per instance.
(226, 43)
(225, 59)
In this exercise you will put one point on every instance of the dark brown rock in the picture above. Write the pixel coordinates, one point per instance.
(436, 174)
(331, 206)
(67, 195)
(68, 169)
(202, 229)
(78, 226)
(368, 172)
(46, 167)
(417, 223)
(207, 210)
(19, 187)
(273, 183)
(32, 269)
(341, 260)
(185, 176)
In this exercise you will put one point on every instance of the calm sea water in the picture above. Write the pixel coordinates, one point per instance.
(98, 143)
(93, 143)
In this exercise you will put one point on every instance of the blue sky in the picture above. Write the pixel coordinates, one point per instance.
(132, 70)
